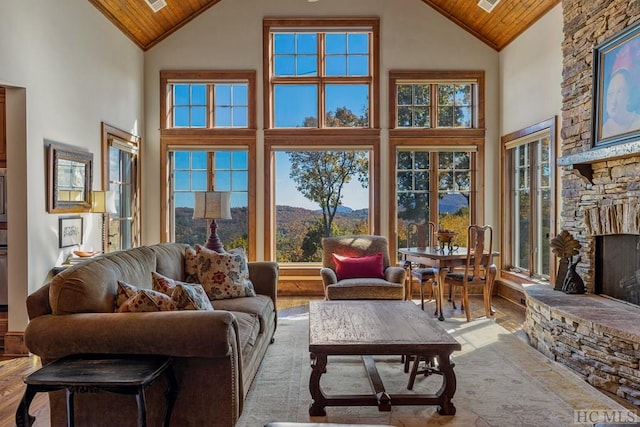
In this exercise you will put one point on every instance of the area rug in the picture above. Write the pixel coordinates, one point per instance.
(501, 381)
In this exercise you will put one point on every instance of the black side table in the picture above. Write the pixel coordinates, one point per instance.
(94, 373)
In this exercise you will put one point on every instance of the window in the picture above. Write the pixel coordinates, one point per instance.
(529, 213)
(322, 139)
(208, 142)
(328, 72)
(219, 170)
(190, 107)
(308, 186)
(122, 179)
(434, 186)
(453, 105)
(436, 141)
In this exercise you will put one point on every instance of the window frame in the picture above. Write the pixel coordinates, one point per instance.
(441, 139)
(202, 138)
(108, 133)
(373, 80)
(277, 139)
(537, 131)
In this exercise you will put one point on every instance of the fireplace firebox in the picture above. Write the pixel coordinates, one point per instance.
(617, 267)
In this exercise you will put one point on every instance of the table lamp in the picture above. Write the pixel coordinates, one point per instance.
(103, 202)
(213, 205)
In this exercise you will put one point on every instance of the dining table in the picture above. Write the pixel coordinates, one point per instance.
(443, 261)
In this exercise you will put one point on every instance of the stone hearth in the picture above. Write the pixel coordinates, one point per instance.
(597, 337)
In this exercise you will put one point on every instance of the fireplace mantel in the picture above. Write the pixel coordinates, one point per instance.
(581, 162)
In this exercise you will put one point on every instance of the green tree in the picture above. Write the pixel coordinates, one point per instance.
(321, 176)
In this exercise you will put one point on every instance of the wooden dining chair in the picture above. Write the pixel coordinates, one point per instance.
(421, 235)
(478, 269)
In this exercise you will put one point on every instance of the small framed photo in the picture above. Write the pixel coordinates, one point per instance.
(70, 231)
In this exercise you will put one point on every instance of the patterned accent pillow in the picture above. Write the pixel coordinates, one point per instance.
(190, 266)
(123, 293)
(187, 296)
(224, 275)
(147, 300)
(191, 297)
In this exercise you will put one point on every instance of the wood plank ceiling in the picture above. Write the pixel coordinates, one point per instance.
(497, 29)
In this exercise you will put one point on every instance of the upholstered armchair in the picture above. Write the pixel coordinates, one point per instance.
(358, 267)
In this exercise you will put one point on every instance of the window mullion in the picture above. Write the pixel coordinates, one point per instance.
(211, 118)
(433, 95)
(321, 75)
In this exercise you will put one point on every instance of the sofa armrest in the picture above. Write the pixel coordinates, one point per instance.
(264, 276)
(329, 276)
(174, 333)
(395, 274)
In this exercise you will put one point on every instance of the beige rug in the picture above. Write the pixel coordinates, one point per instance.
(501, 381)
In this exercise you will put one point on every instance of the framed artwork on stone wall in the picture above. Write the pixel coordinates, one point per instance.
(616, 88)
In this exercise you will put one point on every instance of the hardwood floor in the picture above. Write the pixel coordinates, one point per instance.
(12, 371)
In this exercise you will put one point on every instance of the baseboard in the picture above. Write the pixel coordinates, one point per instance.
(14, 345)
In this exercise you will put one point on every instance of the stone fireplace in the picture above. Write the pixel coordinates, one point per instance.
(598, 337)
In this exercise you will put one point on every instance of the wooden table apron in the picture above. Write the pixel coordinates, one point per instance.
(442, 262)
(366, 328)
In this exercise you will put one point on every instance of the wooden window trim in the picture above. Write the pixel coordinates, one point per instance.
(430, 137)
(207, 76)
(245, 138)
(507, 229)
(108, 132)
(291, 23)
(477, 187)
(367, 139)
(429, 75)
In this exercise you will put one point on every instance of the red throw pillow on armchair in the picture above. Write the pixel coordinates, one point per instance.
(371, 266)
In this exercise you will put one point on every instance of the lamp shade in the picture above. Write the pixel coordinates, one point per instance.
(103, 202)
(212, 205)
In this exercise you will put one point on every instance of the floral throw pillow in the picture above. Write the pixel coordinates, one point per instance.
(191, 297)
(224, 275)
(123, 293)
(190, 266)
(147, 300)
(186, 296)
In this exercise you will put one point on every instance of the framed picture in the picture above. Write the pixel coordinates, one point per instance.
(616, 88)
(70, 231)
(69, 179)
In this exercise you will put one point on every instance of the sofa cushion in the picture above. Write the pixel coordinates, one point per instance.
(248, 331)
(224, 275)
(147, 300)
(170, 259)
(90, 287)
(260, 306)
(187, 296)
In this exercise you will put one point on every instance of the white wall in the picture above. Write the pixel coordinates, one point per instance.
(531, 75)
(531, 78)
(229, 36)
(67, 69)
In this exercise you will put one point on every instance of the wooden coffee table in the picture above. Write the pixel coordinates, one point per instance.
(368, 328)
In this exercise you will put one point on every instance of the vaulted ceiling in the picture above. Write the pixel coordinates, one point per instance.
(497, 29)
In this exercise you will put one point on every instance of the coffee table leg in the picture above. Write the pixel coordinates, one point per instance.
(23, 419)
(448, 385)
(318, 402)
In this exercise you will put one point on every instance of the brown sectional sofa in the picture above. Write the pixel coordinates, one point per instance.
(217, 353)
